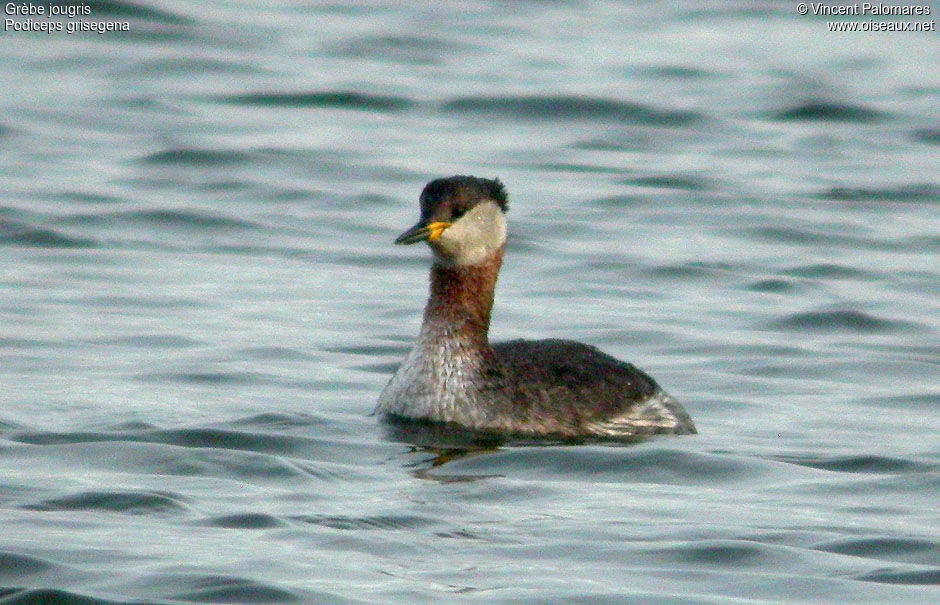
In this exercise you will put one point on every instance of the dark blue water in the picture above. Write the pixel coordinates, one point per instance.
(200, 302)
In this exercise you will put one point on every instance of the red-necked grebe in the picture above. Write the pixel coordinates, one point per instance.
(544, 388)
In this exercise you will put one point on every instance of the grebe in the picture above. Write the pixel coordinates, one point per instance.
(542, 389)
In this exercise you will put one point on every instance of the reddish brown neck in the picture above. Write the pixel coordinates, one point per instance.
(462, 297)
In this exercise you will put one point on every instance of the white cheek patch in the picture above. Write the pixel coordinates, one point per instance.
(473, 238)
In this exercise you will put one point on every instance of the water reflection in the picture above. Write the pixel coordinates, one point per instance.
(441, 444)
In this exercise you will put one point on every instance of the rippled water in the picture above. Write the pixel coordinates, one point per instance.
(200, 303)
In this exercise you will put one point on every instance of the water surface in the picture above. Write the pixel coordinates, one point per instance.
(200, 303)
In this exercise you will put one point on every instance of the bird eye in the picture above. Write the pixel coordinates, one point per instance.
(456, 213)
